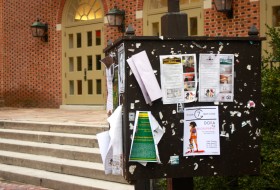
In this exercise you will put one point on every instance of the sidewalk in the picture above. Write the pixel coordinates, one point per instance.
(5, 185)
(51, 116)
(54, 116)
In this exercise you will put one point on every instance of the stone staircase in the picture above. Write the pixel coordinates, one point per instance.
(60, 157)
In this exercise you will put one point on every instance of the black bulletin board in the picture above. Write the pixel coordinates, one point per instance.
(240, 152)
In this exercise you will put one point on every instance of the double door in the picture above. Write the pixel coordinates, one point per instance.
(83, 73)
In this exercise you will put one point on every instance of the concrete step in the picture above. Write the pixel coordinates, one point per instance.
(55, 150)
(58, 165)
(50, 137)
(56, 128)
(57, 181)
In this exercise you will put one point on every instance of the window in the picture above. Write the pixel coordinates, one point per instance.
(79, 40)
(71, 87)
(276, 16)
(156, 4)
(155, 29)
(71, 40)
(88, 10)
(90, 87)
(98, 63)
(193, 26)
(79, 63)
(79, 87)
(89, 63)
(89, 39)
(98, 86)
(98, 37)
(71, 64)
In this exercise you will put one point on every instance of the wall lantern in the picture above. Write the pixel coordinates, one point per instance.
(116, 17)
(40, 30)
(224, 6)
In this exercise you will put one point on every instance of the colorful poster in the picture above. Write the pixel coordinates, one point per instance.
(146, 135)
(178, 78)
(190, 77)
(201, 131)
(216, 77)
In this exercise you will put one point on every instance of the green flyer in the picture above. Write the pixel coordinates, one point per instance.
(143, 147)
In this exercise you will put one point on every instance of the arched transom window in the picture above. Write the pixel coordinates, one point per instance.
(83, 10)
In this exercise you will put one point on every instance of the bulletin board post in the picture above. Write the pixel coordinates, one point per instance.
(225, 110)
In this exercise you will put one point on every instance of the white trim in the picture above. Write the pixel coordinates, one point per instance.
(139, 14)
(58, 27)
(207, 4)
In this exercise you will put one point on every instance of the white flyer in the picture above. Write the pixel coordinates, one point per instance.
(201, 131)
(178, 78)
(216, 77)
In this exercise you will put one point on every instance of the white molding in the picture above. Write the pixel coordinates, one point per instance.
(207, 4)
(139, 14)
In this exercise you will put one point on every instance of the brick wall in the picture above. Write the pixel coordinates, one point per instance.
(1, 49)
(245, 14)
(30, 70)
(130, 7)
(32, 67)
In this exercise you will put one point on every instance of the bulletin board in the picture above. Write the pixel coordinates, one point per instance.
(239, 120)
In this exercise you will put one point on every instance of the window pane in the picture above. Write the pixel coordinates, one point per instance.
(70, 40)
(89, 39)
(79, 63)
(98, 86)
(71, 87)
(87, 10)
(155, 4)
(98, 63)
(79, 87)
(98, 37)
(276, 16)
(193, 26)
(79, 40)
(89, 63)
(155, 29)
(90, 87)
(71, 64)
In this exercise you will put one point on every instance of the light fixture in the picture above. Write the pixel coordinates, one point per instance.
(40, 30)
(116, 17)
(224, 6)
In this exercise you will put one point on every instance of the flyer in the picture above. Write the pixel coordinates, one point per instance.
(110, 77)
(201, 131)
(121, 74)
(216, 77)
(178, 78)
(190, 77)
(146, 135)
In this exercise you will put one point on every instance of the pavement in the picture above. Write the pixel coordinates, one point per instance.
(84, 117)
(54, 116)
(8, 185)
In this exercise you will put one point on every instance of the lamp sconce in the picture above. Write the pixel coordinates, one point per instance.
(40, 30)
(224, 6)
(115, 18)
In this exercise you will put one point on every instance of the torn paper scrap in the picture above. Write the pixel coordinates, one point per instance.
(142, 63)
(139, 80)
(110, 144)
(106, 153)
(115, 132)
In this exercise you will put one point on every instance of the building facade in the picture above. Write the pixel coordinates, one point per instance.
(66, 69)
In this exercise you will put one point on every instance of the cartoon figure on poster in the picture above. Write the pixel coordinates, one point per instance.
(193, 139)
